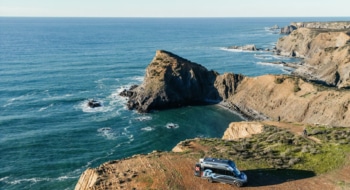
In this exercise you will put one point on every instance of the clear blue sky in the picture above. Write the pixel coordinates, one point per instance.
(176, 8)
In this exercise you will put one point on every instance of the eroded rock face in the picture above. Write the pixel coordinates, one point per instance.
(291, 99)
(326, 54)
(227, 84)
(237, 130)
(171, 81)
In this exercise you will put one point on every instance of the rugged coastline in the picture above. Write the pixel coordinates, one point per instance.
(286, 104)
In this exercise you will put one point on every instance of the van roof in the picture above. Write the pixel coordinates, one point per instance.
(219, 161)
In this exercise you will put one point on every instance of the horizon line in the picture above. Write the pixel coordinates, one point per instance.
(175, 17)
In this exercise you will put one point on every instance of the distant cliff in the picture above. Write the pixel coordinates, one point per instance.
(336, 25)
(326, 54)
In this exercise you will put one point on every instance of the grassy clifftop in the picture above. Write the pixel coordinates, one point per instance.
(276, 158)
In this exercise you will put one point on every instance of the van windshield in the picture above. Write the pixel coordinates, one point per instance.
(235, 170)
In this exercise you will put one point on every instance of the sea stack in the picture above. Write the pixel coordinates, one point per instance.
(172, 81)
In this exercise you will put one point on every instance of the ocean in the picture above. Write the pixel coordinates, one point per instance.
(51, 67)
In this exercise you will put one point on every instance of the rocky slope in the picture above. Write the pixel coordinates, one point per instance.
(291, 99)
(326, 54)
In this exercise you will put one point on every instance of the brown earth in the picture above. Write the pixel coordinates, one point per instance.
(174, 170)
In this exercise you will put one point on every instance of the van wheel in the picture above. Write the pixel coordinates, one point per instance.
(210, 180)
(238, 184)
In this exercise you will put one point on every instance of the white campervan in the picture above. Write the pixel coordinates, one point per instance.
(220, 170)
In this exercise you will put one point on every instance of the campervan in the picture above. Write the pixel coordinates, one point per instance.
(220, 170)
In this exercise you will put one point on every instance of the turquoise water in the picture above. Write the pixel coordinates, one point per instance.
(50, 67)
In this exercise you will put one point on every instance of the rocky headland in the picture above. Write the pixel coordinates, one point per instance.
(326, 54)
(285, 104)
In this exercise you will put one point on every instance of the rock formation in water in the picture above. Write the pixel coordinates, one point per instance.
(326, 54)
(249, 47)
(171, 81)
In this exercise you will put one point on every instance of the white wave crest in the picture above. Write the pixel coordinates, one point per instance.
(116, 99)
(263, 56)
(45, 108)
(26, 180)
(138, 78)
(236, 50)
(107, 133)
(148, 129)
(143, 118)
(172, 126)
(270, 64)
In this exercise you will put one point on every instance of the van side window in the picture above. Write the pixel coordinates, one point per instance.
(220, 172)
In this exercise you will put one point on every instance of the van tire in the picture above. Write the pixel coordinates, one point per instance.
(238, 184)
(210, 180)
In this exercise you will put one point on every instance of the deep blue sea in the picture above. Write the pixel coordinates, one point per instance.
(51, 67)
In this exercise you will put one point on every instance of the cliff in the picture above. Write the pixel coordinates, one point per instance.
(326, 54)
(291, 99)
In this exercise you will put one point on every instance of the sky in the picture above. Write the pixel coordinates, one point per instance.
(175, 8)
